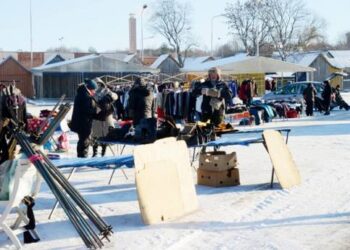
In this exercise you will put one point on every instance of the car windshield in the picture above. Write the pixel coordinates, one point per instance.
(289, 89)
(319, 88)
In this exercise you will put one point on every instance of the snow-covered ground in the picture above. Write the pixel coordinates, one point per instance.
(314, 215)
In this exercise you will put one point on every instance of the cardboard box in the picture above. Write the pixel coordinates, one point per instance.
(217, 161)
(225, 178)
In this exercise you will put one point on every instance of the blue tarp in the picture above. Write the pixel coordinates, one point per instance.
(96, 162)
(229, 141)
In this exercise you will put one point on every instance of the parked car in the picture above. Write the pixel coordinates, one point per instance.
(292, 92)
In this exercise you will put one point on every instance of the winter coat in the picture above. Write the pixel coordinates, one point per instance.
(338, 97)
(84, 111)
(225, 96)
(309, 93)
(101, 128)
(268, 85)
(140, 103)
(326, 94)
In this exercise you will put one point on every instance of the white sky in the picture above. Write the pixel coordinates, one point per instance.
(103, 24)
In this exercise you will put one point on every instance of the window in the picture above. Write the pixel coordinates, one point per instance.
(319, 88)
(293, 89)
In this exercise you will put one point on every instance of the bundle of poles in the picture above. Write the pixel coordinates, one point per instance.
(72, 202)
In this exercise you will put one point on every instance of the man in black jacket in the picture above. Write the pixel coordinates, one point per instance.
(326, 95)
(309, 96)
(215, 94)
(140, 103)
(141, 110)
(84, 111)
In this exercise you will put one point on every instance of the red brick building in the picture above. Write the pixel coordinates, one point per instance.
(11, 70)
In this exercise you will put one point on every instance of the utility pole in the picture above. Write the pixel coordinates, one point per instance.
(31, 33)
(143, 8)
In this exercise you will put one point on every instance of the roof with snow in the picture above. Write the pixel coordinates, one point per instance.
(305, 59)
(160, 60)
(213, 63)
(191, 62)
(251, 64)
(128, 58)
(55, 58)
(93, 63)
(340, 58)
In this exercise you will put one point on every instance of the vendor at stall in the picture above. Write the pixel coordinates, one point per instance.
(141, 109)
(216, 94)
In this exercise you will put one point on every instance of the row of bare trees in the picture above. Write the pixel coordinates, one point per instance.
(285, 25)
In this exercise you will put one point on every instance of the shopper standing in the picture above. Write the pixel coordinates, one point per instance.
(309, 96)
(84, 111)
(327, 96)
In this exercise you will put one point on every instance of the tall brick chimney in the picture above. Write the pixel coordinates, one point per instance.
(132, 34)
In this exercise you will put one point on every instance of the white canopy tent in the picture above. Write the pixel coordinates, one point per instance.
(247, 65)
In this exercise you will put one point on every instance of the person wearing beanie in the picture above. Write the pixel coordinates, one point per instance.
(215, 94)
(84, 111)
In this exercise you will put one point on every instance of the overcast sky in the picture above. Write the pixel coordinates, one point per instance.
(103, 24)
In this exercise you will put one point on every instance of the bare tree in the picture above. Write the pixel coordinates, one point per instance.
(247, 22)
(92, 50)
(287, 25)
(312, 35)
(293, 26)
(343, 42)
(228, 49)
(171, 20)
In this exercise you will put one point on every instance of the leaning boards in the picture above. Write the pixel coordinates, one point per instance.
(164, 181)
(282, 161)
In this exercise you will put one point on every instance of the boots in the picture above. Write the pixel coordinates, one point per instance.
(94, 150)
(103, 152)
(27, 235)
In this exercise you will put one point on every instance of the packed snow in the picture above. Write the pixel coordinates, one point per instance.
(314, 215)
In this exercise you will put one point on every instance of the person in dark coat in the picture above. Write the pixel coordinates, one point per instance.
(309, 96)
(140, 102)
(268, 86)
(326, 95)
(141, 109)
(339, 99)
(216, 94)
(84, 111)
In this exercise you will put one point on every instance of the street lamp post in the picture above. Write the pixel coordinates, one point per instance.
(61, 43)
(143, 8)
(211, 33)
(31, 37)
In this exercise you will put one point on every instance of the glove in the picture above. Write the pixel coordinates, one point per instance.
(204, 91)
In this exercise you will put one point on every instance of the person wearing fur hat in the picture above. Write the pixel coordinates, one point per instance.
(84, 111)
(100, 128)
(216, 94)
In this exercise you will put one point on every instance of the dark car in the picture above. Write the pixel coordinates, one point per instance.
(292, 92)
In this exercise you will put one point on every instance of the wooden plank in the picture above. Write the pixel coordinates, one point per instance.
(164, 181)
(282, 160)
